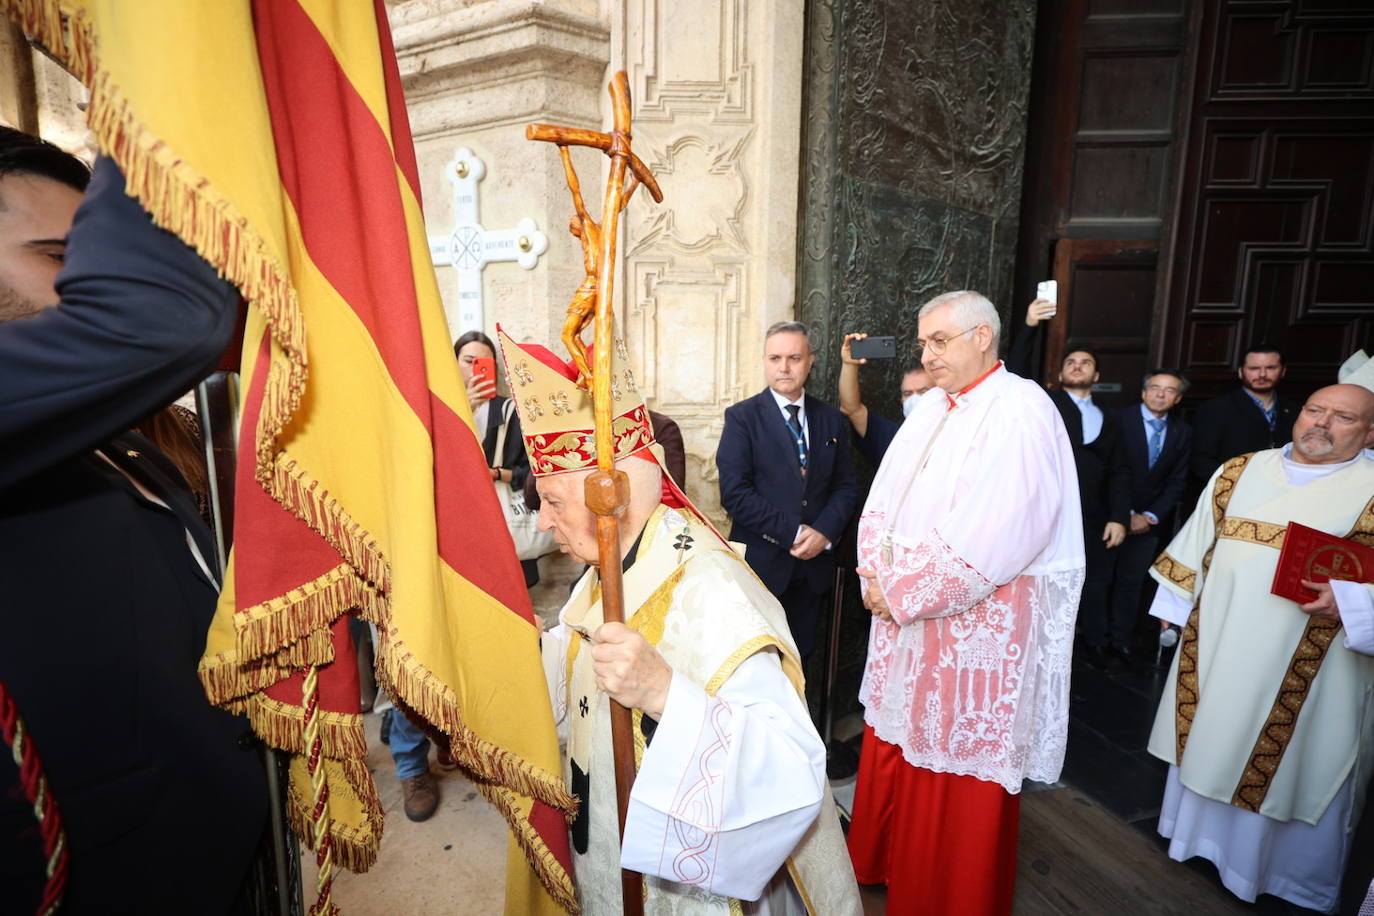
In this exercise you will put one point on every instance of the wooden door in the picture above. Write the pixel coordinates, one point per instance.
(1275, 212)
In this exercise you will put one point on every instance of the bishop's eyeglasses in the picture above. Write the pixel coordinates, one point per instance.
(936, 345)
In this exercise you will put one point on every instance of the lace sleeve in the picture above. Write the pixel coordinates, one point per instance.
(930, 580)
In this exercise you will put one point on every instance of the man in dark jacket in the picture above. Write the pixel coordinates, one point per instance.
(1253, 417)
(787, 481)
(1104, 479)
(1157, 445)
(1104, 482)
(109, 575)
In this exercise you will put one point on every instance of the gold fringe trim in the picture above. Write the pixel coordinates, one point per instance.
(280, 623)
(227, 680)
(552, 875)
(316, 648)
(282, 725)
(483, 761)
(353, 848)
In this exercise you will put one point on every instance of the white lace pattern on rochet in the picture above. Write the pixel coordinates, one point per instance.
(970, 678)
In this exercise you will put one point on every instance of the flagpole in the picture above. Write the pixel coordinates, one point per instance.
(608, 489)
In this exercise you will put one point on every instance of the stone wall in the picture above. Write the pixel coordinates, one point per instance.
(717, 98)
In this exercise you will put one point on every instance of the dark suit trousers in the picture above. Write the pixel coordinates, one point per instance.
(803, 606)
(1093, 606)
(1136, 554)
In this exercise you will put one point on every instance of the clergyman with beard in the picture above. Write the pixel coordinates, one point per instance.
(1264, 717)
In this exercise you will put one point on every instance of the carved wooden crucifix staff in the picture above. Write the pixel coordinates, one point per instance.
(607, 489)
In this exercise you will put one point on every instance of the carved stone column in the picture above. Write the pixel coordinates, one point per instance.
(717, 103)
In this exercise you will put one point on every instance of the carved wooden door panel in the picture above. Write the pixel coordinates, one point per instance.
(1275, 214)
(1106, 296)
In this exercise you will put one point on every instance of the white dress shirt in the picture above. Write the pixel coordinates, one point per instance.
(1092, 417)
(783, 404)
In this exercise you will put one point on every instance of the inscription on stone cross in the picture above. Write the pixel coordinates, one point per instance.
(469, 247)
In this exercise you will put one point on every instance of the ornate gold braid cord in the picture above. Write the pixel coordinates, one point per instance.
(1278, 728)
(1186, 688)
(319, 812)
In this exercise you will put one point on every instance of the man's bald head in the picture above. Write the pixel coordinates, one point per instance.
(1334, 425)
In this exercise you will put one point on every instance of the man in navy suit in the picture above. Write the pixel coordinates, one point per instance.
(109, 574)
(786, 480)
(1158, 448)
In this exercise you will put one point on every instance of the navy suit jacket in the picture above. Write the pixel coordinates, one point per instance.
(1156, 489)
(105, 610)
(762, 487)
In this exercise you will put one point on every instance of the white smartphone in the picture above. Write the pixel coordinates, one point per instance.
(1049, 291)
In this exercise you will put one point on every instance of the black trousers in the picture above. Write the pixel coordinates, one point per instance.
(1093, 607)
(803, 606)
(1135, 556)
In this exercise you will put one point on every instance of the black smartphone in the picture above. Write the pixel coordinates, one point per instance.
(874, 348)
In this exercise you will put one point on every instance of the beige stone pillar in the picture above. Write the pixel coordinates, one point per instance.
(717, 102)
(475, 73)
(717, 98)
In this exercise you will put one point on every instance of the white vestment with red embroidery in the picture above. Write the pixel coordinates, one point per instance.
(974, 530)
(730, 811)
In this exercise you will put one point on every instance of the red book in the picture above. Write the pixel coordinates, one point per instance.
(1318, 557)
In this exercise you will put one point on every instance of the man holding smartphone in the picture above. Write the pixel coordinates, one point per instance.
(873, 433)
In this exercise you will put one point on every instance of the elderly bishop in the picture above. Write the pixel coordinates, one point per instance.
(730, 811)
(972, 547)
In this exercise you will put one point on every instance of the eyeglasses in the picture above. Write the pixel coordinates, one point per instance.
(1162, 389)
(937, 345)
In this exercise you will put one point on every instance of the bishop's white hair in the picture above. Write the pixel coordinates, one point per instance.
(968, 309)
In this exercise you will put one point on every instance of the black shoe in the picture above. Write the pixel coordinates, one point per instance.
(1094, 657)
(1125, 661)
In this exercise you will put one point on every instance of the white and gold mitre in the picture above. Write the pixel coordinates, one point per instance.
(1357, 370)
(556, 417)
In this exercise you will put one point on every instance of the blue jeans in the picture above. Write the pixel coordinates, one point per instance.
(409, 746)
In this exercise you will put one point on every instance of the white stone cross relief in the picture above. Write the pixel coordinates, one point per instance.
(469, 247)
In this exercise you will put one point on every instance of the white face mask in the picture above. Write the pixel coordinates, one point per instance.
(909, 405)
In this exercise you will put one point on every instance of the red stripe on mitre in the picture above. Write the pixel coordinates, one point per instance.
(565, 450)
(352, 217)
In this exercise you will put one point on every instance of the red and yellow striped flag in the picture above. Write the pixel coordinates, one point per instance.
(272, 136)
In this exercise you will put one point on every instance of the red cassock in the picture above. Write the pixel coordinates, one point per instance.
(943, 844)
(974, 539)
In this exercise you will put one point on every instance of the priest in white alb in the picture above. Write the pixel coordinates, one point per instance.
(1267, 719)
(971, 548)
(731, 811)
